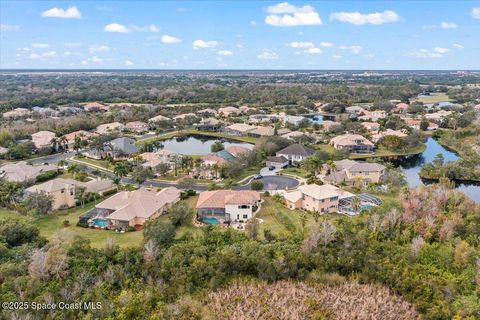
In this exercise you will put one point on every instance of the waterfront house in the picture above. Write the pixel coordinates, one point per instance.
(351, 172)
(353, 143)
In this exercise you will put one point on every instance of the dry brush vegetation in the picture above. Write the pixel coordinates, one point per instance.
(297, 300)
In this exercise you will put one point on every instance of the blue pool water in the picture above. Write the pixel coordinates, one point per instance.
(100, 222)
(210, 220)
(365, 206)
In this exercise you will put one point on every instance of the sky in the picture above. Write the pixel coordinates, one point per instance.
(393, 35)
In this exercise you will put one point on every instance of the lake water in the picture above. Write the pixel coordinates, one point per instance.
(199, 145)
(413, 167)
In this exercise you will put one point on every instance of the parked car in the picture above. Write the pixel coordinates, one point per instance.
(257, 177)
(271, 168)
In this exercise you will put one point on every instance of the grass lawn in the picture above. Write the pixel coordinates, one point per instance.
(282, 221)
(53, 223)
(100, 163)
(433, 98)
(198, 132)
(324, 147)
(382, 152)
(296, 171)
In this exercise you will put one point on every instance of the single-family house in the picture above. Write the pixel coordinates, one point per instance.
(80, 134)
(184, 116)
(239, 129)
(95, 106)
(209, 124)
(17, 113)
(44, 139)
(158, 118)
(237, 151)
(355, 110)
(351, 172)
(23, 172)
(277, 162)
(137, 126)
(110, 127)
(227, 205)
(123, 147)
(389, 132)
(371, 126)
(134, 208)
(63, 191)
(262, 131)
(295, 153)
(353, 143)
(229, 111)
(207, 112)
(314, 197)
(401, 108)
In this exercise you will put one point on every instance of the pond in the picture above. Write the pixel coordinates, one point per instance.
(413, 166)
(199, 145)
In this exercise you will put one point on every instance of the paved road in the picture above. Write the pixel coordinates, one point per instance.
(271, 183)
(52, 159)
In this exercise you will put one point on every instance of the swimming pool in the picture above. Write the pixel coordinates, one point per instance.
(364, 206)
(210, 220)
(97, 222)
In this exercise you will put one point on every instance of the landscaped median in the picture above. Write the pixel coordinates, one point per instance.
(188, 132)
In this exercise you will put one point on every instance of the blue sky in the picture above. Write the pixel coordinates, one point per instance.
(240, 34)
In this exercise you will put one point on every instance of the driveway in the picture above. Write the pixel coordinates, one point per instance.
(265, 172)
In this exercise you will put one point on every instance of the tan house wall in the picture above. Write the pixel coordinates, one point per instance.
(320, 205)
(63, 199)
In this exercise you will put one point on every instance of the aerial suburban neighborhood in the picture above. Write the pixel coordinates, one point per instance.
(240, 160)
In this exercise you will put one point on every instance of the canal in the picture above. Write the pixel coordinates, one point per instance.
(413, 166)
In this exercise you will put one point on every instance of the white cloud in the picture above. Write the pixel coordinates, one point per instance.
(441, 50)
(70, 13)
(358, 18)
(356, 49)
(253, 23)
(336, 56)
(100, 48)
(45, 55)
(343, 47)
(314, 50)
(150, 28)
(288, 15)
(476, 13)
(326, 44)
(9, 27)
(459, 46)
(72, 44)
(240, 46)
(84, 62)
(128, 63)
(204, 44)
(170, 39)
(266, 55)
(297, 44)
(426, 53)
(115, 27)
(448, 25)
(96, 59)
(24, 49)
(225, 53)
(40, 45)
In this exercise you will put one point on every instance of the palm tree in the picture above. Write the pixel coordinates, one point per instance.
(356, 204)
(116, 181)
(81, 195)
(121, 169)
(63, 142)
(74, 169)
(215, 168)
(331, 166)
